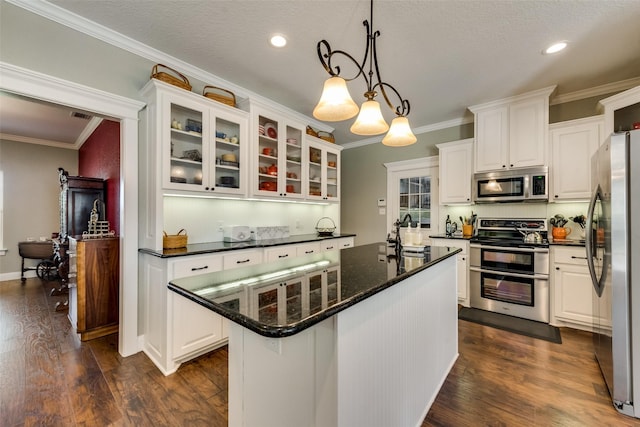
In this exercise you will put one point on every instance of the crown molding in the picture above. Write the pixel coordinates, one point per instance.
(38, 141)
(595, 91)
(417, 131)
(107, 35)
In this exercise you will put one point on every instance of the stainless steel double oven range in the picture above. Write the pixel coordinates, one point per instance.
(509, 267)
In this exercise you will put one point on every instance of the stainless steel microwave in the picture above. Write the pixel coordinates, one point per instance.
(518, 185)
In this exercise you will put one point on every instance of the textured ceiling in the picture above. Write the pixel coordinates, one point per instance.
(442, 55)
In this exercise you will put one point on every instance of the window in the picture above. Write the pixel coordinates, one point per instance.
(412, 188)
(415, 200)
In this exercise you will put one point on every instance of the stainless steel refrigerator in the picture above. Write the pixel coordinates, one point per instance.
(613, 256)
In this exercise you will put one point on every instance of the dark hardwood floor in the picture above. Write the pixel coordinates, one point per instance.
(49, 378)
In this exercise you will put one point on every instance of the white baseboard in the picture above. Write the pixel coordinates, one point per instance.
(15, 275)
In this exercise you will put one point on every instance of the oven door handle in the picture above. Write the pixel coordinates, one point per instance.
(504, 273)
(509, 249)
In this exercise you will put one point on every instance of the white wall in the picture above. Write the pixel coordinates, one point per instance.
(201, 217)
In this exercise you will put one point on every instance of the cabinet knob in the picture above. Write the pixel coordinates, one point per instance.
(504, 166)
(557, 268)
(511, 165)
(556, 196)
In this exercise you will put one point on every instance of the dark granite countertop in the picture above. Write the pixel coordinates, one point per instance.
(213, 247)
(454, 237)
(249, 295)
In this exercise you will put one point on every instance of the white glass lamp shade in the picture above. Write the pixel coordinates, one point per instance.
(370, 120)
(335, 102)
(400, 133)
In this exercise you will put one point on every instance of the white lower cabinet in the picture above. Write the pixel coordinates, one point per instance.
(573, 293)
(175, 329)
(193, 328)
(335, 244)
(462, 260)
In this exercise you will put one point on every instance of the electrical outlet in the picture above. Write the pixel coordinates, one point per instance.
(220, 228)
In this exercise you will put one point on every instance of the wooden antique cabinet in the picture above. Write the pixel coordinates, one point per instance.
(94, 297)
(456, 165)
(512, 132)
(572, 145)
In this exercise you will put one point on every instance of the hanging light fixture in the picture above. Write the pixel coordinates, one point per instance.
(336, 103)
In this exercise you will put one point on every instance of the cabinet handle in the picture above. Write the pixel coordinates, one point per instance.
(557, 268)
(242, 262)
(346, 245)
(283, 256)
(578, 257)
(329, 248)
(199, 268)
(309, 252)
(556, 196)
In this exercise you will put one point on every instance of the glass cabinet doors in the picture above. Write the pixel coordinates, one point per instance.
(279, 157)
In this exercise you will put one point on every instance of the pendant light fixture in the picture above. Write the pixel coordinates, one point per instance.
(336, 103)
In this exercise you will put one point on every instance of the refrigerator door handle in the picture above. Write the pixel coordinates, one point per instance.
(589, 240)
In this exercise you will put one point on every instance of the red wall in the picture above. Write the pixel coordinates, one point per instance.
(99, 157)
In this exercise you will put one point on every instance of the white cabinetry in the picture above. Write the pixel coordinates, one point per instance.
(456, 165)
(175, 329)
(189, 145)
(462, 264)
(572, 145)
(324, 170)
(278, 155)
(336, 244)
(512, 132)
(573, 292)
(204, 144)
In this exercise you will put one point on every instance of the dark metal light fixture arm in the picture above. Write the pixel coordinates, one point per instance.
(326, 54)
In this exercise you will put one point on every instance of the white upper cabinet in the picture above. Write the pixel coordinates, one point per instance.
(278, 155)
(513, 132)
(572, 145)
(456, 165)
(324, 170)
(203, 145)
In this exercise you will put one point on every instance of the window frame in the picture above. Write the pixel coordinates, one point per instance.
(425, 166)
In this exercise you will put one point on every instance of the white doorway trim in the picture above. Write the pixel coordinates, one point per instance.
(43, 87)
(409, 168)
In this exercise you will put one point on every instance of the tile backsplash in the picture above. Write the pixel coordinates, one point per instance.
(516, 210)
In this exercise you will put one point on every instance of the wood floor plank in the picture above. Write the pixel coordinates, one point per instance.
(48, 377)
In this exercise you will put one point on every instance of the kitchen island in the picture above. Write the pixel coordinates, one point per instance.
(360, 336)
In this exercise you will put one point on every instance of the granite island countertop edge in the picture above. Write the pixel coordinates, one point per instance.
(289, 330)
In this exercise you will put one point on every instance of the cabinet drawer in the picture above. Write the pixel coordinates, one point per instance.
(279, 253)
(242, 258)
(576, 256)
(334, 244)
(451, 243)
(192, 266)
(308, 248)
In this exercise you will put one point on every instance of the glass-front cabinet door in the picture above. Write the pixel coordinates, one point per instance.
(229, 153)
(185, 128)
(324, 170)
(279, 156)
(205, 146)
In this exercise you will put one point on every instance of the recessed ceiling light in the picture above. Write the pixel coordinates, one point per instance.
(278, 40)
(555, 48)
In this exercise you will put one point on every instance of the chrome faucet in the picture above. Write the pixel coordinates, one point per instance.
(398, 241)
